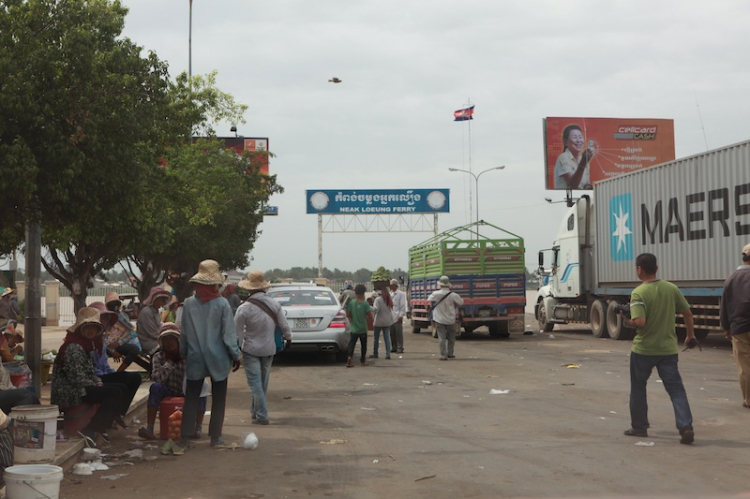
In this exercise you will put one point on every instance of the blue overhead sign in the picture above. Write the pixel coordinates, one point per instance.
(378, 201)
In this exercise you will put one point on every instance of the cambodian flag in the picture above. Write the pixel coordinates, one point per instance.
(464, 114)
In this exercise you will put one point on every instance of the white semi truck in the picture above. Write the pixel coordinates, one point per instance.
(692, 213)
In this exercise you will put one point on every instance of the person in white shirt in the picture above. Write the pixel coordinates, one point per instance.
(572, 166)
(444, 312)
(399, 312)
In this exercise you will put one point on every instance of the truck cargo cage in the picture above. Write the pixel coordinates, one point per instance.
(464, 250)
(486, 268)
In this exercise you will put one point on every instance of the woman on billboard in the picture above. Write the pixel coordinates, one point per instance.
(571, 168)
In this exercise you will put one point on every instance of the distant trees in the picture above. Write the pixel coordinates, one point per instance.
(310, 273)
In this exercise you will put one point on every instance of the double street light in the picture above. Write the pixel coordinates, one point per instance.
(476, 180)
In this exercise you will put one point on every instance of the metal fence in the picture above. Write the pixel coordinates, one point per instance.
(67, 312)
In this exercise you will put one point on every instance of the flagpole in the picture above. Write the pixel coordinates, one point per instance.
(471, 214)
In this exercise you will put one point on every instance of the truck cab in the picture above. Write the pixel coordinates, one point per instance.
(564, 269)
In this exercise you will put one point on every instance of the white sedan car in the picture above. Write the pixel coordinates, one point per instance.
(317, 321)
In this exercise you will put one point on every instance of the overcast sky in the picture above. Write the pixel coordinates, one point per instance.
(406, 65)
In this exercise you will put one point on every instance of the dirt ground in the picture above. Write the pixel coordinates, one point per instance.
(417, 427)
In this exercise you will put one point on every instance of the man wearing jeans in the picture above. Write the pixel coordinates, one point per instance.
(653, 306)
(256, 320)
(444, 312)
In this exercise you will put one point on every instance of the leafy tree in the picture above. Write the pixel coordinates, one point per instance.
(215, 213)
(84, 123)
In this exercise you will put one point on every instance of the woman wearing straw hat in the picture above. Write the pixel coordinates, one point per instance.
(74, 381)
(209, 343)
(7, 311)
(256, 321)
(149, 319)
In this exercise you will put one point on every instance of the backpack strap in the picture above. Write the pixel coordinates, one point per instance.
(264, 307)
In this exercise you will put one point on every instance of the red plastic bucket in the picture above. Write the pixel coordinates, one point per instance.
(166, 408)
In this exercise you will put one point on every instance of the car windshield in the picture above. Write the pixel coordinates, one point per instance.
(304, 297)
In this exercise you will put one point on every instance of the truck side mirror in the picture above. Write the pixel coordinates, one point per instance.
(541, 260)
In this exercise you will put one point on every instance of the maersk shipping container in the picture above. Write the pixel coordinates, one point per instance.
(692, 213)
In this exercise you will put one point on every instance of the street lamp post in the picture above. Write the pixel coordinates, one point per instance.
(190, 47)
(476, 180)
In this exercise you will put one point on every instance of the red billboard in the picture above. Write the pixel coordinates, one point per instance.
(252, 144)
(581, 151)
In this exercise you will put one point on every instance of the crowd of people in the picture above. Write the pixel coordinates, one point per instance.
(385, 310)
(209, 335)
(221, 328)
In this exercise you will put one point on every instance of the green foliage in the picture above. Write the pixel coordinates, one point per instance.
(86, 123)
(211, 208)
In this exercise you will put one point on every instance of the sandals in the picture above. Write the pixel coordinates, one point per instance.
(121, 422)
(143, 432)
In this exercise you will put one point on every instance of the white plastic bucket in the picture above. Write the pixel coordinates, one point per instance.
(33, 481)
(34, 433)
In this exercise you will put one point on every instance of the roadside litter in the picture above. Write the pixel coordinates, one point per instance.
(249, 440)
(645, 444)
(333, 441)
(499, 392)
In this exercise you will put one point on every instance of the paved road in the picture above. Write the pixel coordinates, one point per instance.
(419, 428)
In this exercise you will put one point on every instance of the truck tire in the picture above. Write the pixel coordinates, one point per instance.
(598, 319)
(541, 316)
(499, 329)
(415, 330)
(617, 330)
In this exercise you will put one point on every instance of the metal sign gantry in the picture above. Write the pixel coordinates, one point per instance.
(339, 223)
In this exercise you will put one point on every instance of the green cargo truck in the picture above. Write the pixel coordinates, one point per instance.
(488, 273)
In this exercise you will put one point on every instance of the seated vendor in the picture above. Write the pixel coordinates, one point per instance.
(74, 381)
(118, 337)
(6, 446)
(11, 343)
(132, 380)
(168, 375)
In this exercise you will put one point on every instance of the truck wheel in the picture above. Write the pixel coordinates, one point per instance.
(541, 316)
(415, 329)
(597, 319)
(701, 334)
(500, 329)
(617, 330)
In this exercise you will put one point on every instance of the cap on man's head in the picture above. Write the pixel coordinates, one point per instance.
(444, 282)
(746, 250)
(394, 282)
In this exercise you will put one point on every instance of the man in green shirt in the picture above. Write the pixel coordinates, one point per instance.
(357, 311)
(653, 306)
